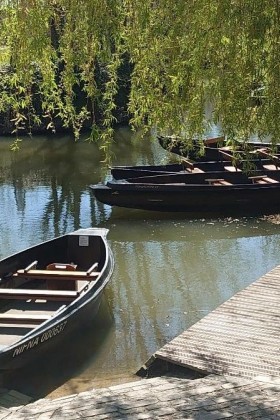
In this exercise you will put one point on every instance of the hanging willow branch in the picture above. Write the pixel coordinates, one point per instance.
(183, 55)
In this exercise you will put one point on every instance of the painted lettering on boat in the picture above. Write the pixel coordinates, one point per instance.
(52, 332)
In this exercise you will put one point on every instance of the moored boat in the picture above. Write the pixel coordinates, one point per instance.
(50, 291)
(226, 163)
(217, 192)
(209, 149)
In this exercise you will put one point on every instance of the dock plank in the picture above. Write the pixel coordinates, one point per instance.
(241, 337)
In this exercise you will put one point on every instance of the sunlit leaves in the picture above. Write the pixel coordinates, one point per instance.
(183, 55)
(187, 54)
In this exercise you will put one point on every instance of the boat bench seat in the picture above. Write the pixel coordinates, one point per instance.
(198, 171)
(56, 275)
(23, 318)
(263, 179)
(270, 167)
(58, 271)
(217, 181)
(232, 169)
(34, 294)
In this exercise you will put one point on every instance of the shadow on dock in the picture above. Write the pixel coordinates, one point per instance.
(156, 367)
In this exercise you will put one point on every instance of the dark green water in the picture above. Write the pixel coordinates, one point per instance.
(170, 271)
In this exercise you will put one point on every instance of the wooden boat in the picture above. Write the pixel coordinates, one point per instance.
(227, 163)
(49, 291)
(211, 148)
(221, 193)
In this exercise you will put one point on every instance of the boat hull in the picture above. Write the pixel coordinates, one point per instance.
(200, 199)
(51, 338)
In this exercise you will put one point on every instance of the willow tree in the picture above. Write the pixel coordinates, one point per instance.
(183, 54)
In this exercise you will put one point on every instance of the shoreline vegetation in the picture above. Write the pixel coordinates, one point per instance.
(32, 121)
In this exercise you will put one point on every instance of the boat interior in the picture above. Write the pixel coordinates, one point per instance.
(243, 165)
(41, 281)
(264, 176)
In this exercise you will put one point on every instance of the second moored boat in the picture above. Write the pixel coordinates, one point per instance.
(220, 192)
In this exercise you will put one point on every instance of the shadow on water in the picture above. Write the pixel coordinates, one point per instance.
(54, 368)
(182, 231)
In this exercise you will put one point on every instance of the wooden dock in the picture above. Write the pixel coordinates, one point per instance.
(240, 338)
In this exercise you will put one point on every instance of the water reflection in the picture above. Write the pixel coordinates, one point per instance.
(170, 271)
(44, 187)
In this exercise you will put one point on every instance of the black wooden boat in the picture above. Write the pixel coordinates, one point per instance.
(49, 291)
(227, 163)
(210, 148)
(223, 193)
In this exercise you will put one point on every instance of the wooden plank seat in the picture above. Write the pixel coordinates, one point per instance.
(56, 275)
(35, 294)
(270, 167)
(217, 181)
(263, 179)
(10, 318)
(232, 169)
(198, 171)
(60, 273)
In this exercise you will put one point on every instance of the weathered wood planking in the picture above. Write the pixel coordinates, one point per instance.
(241, 337)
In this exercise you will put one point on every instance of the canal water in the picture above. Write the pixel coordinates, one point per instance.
(170, 270)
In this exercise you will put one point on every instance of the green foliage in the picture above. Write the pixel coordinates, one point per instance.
(184, 55)
(15, 146)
